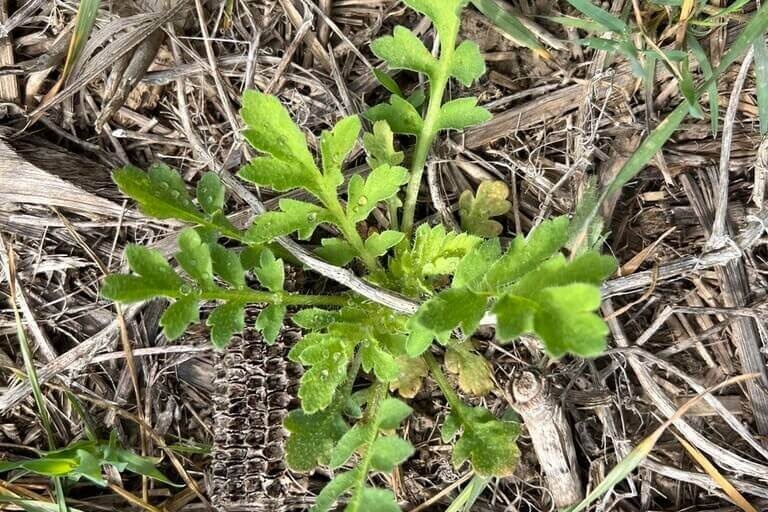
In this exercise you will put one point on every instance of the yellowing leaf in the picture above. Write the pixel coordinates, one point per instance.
(476, 212)
(472, 369)
(411, 376)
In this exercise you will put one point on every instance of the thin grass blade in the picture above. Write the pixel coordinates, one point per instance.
(761, 82)
(86, 17)
(706, 69)
(601, 16)
(510, 25)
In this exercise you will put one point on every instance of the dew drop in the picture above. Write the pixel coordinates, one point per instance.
(312, 217)
(324, 374)
(186, 289)
(362, 201)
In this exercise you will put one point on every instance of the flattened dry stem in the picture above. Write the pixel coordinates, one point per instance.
(551, 437)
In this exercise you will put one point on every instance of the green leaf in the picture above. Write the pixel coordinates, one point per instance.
(270, 271)
(387, 82)
(128, 289)
(452, 308)
(328, 360)
(353, 439)
(379, 243)
(160, 193)
(392, 412)
(706, 68)
(195, 258)
(403, 50)
(525, 254)
(179, 316)
(487, 443)
(510, 25)
(761, 82)
(270, 320)
(336, 144)
(419, 340)
(281, 175)
(607, 20)
(401, 116)
(312, 437)
(380, 361)
(374, 500)
(363, 195)
(380, 147)
(444, 14)
(467, 64)
(474, 373)
(296, 216)
(224, 321)
(473, 266)
(336, 251)
(139, 465)
(388, 452)
(270, 129)
(567, 322)
(462, 113)
(210, 193)
(314, 319)
(152, 265)
(411, 375)
(226, 264)
(590, 267)
(340, 484)
(514, 316)
(476, 212)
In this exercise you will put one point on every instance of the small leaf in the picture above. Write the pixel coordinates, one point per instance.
(314, 318)
(444, 14)
(510, 26)
(403, 50)
(473, 266)
(419, 340)
(328, 360)
(487, 443)
(271, 130)
(210, 193)
(380, 361)
(412, 371)
(392, 412)
(226, 264)
(336, 144)
(224, 321)
(195, 258)
(379, 243)
(336, 251)
(374, 500)
(296, 216)
(161, 192)
(467, 64)
(281, 175)
(388, 452)
(269, 322)
(312, 437)
(473, 370)
(387, 82)
(451, 308)
(379, 145)
(514, 316)
(462, 113)
(601, 16)
(353, 439)
(152, 265)
(179, 316)
(270, 271)
(490, 201)
(334, 489)
(400, 115)
(383, 183)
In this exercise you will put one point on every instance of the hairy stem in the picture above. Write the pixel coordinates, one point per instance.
(437, 84)
(442, 382)
(256, 296)
(349, 231)
(363, 467)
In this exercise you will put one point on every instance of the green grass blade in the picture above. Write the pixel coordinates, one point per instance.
(469, 495)
(86, 17)
(509, 24)
(706, 68)
(601, 16)
(761, 82)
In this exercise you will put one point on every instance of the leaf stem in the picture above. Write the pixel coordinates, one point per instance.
(442, 382)
(363, 467)
(437, 84)
(288, 299)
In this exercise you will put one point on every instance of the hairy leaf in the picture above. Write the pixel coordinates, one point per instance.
(270, 129)
(353, 439)
(340, 484)
(388, 452)
(444, 14)
(281, 175)
(488, 443)
(328, 359)
(383, 183)
(312, 437)
(451, 308)
(179, 316)
(379, 243)
(379, 145)
(270, 271)
(161, 192)
(472, 267)
(296, 216)
(379, 360)
(403, 50)
(412, 371)
(336, 251)
(270, 320)
(226, 264)
(335, 145)
(210, 193)
(195, 258)
(224, 321)
(392, 412)
(462, 113)
(467, 64)
(476, 212)
(314, 318)
(474, 373)
(400, 115)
